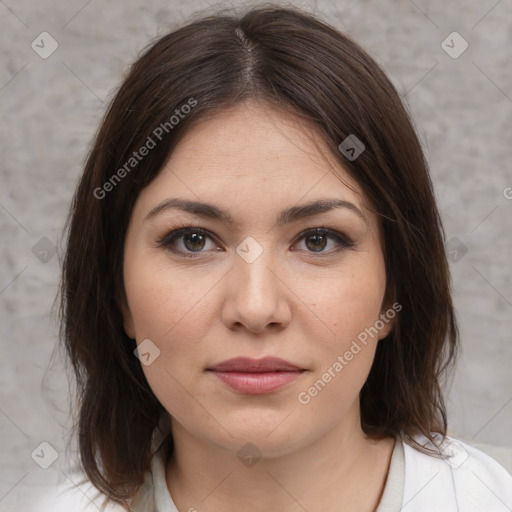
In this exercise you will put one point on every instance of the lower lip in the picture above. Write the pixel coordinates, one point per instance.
(257, 383)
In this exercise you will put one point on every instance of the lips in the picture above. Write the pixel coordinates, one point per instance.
(248, 365)
(256, 376)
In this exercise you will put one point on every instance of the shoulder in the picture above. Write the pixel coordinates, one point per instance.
(464, 478)
(74, 492)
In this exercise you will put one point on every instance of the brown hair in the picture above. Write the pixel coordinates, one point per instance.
(304, 66)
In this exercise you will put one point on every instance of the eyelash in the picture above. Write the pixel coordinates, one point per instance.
(172, 236)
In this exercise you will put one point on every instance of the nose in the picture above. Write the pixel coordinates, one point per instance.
(257, 296)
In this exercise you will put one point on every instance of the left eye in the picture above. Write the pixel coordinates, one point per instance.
(193, 240)
(316, 239)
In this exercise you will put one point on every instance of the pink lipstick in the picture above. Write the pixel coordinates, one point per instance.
(256, 376)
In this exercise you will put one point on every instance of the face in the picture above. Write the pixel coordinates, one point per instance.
(301, 286)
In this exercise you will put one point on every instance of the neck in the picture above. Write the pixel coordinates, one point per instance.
(342, 470)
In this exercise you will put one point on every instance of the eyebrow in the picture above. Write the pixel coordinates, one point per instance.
(286, 216)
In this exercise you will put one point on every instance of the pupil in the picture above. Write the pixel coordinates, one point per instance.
(317, 237)
(196, 239)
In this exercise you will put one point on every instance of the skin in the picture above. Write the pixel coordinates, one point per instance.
(291, 302)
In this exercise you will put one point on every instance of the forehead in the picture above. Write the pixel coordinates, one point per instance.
(252, 155)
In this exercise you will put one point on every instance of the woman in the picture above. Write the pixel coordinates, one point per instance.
(255, 294)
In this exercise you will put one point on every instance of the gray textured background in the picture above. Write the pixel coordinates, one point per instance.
(50, 109)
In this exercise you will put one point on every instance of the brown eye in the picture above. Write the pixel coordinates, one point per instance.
(194, 241)
(316, 240)
(187, 241)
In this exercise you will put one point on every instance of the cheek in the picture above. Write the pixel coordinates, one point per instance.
(348, 309)
(164, 302)
(345, 309)
(346, 303)
(171, 308)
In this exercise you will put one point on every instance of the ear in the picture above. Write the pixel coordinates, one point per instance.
(388, 324)
(128, 326)
(388, 314)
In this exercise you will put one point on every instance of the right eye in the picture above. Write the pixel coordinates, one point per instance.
(186, 241)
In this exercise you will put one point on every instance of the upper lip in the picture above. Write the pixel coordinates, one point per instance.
(247, 364)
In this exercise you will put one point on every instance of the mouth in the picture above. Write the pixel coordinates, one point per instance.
(256, 376)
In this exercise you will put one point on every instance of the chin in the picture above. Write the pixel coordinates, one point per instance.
(255, 439)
